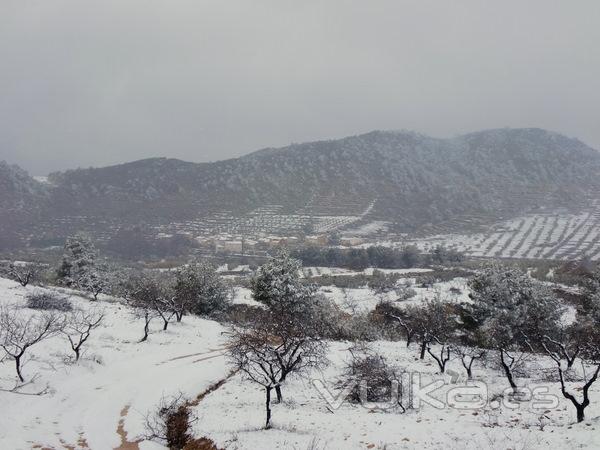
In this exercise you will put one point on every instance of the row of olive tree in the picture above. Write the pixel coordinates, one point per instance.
(375, 256)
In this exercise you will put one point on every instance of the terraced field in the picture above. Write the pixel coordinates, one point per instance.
(267, 219)
(552, 235)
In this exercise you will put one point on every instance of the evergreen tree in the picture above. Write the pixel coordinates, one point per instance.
(510, 310)
(79, 256)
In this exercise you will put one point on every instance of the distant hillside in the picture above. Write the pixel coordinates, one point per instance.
(413, 181)
(22, 202)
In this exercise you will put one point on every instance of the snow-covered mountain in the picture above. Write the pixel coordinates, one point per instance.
(413, 181)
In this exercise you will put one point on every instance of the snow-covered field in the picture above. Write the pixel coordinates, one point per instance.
(100, 402)
(363, 300)
(551, 236)
(117, 381)
(310, 271)
(305, 420)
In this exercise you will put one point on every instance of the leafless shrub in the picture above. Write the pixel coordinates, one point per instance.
(170, 422)
(370, 370)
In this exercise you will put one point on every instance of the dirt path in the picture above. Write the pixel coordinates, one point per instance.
(212, 388)
(126, 444)
(191, 355)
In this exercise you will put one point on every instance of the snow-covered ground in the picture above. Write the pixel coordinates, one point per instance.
(315, 271)
(363, 300)
(376, 226)
(118, 379)
(100, 402)
(233, 417)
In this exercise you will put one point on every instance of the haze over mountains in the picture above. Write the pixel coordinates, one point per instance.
(413, 181)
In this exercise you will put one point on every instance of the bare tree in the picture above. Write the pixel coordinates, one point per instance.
(577, 341)
(400, 316)
(147, 314)
(468, 355)
(254, 354)
(580, 406)
(150, 297)
(95, 280)
(179, 306)
(442, 357)
(433, 323)
(594, 361)
(78, 327)
(20, 332)
(23, 273)
(163, 307)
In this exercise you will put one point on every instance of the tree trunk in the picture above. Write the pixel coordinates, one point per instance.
(146, 326)
(268, 405)
(423, 349)
(508, 372)
(76, 350)
(179, 316)
(18, 367)
(165, 324)
(441, 361)
(580, 413)
(278, 392)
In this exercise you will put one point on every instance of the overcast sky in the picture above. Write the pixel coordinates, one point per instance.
(98, 82)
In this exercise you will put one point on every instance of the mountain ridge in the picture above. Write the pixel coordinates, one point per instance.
(412, 180)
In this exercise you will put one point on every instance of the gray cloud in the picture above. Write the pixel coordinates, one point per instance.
(107, 81)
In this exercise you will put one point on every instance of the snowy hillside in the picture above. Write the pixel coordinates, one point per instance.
(101, 401)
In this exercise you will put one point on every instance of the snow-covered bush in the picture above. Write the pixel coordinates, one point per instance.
(509, 310)
(405, 293)
(199, 289)
(45, 300)
(372, 377)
